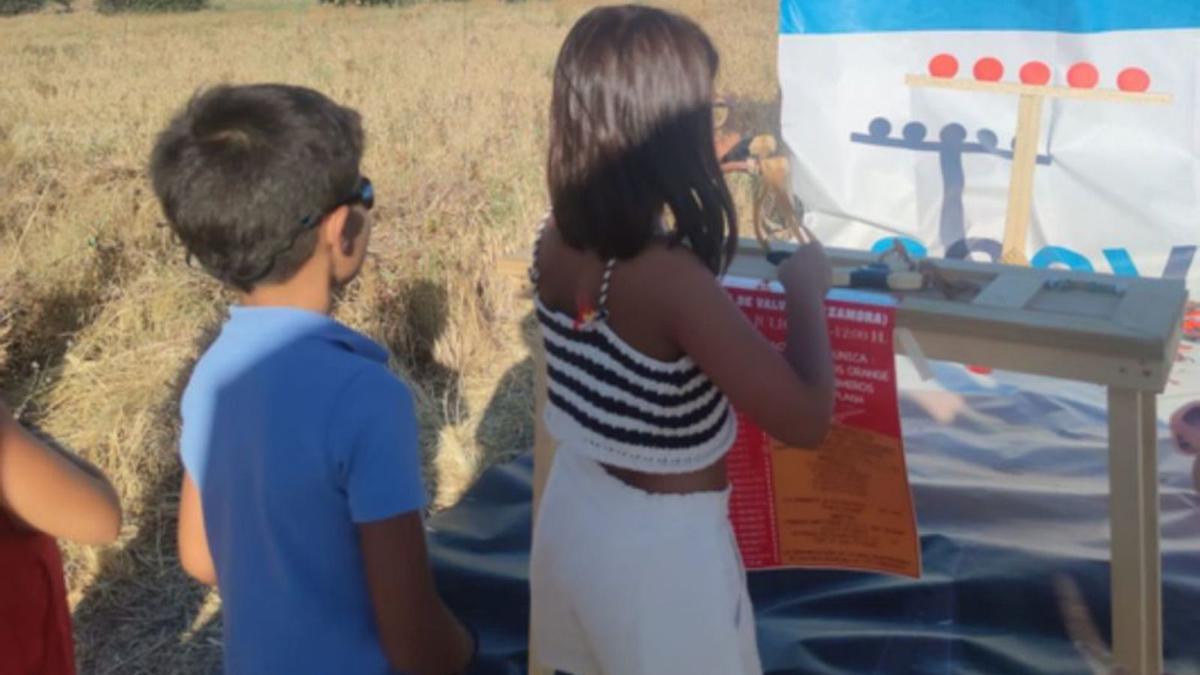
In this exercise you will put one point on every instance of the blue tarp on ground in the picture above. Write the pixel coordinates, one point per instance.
(1009, 475)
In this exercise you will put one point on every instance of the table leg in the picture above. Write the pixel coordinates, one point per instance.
(1133, 510)
(543, 457)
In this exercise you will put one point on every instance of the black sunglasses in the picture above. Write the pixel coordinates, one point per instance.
(364, 194)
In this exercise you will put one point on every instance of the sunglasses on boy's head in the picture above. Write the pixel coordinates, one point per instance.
(364, 193)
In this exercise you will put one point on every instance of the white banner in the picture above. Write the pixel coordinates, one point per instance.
(1117, 182)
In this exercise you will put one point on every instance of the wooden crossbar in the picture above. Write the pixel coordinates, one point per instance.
(1046, 91)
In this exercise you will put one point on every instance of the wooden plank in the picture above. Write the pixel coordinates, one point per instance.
(543, 458)
(1097, 336)
(1052, 361)
(929, 311)
(750, 262)
(1009, 291)
(1151, 553)
(1134, 349)
(1046, 91)
(1095, 304)
(1133, 513)
(1020, 185)
(1127, 529)
(1142, 306)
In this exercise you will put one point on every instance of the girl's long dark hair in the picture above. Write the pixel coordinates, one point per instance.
(631, 136)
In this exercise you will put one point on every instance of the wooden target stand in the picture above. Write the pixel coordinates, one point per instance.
(1118, 332)
(1029, 117)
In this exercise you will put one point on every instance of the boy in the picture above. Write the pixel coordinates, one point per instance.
(302, 492)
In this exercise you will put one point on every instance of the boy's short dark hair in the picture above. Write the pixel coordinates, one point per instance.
(240, 169)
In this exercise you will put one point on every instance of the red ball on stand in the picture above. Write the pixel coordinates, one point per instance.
(1083, 75)
(1133, 79)
(1035, 72)
(943, 65)
(989, 69)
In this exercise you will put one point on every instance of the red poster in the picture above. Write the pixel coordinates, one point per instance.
(847, 504)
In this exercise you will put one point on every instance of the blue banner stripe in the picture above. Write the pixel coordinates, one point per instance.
(1064, 16)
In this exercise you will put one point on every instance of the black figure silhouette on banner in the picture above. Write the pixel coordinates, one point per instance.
(951, 145)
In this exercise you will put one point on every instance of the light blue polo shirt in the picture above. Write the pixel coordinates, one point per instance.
(295, 430)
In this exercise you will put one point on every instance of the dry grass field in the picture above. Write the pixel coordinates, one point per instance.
(100, 317)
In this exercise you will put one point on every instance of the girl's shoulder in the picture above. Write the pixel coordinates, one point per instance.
(670, 268)
(667, 283)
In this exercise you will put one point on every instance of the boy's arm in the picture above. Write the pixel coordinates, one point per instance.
(194, 555)
(418, 633)
(53, 491)
(375, 446)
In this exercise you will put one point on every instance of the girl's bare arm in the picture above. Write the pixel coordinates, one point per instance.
(52, 490)
(788, 394)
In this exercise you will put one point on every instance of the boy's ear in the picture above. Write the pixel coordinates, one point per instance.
(336, 231)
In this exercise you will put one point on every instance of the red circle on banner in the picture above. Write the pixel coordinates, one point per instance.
(943, 65)
(1035, 72)
(979, 370)
(989, 69)
(1083, 75)
(1133, 79)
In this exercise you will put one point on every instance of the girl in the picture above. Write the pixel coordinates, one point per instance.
(45, 492)
(634, 566)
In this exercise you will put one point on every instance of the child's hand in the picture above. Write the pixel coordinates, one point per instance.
(726, 141)
(807, 270)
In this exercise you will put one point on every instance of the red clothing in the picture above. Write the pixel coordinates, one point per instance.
(35, 624)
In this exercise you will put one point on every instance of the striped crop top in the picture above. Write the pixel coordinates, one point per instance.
(620, 407)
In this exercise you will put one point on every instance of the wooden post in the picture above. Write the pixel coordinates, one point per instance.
(543, 457)
(1020, 185)
(1133, 510)
(1151, 545)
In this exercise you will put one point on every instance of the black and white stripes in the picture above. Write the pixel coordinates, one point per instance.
(625, 409)
(620, 407)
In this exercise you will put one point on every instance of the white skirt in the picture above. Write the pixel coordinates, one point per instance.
(625, 582)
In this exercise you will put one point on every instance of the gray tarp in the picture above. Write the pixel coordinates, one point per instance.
(1009, 475)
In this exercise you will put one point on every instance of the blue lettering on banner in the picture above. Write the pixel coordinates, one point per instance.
(1179, 260)
(1058, 256)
